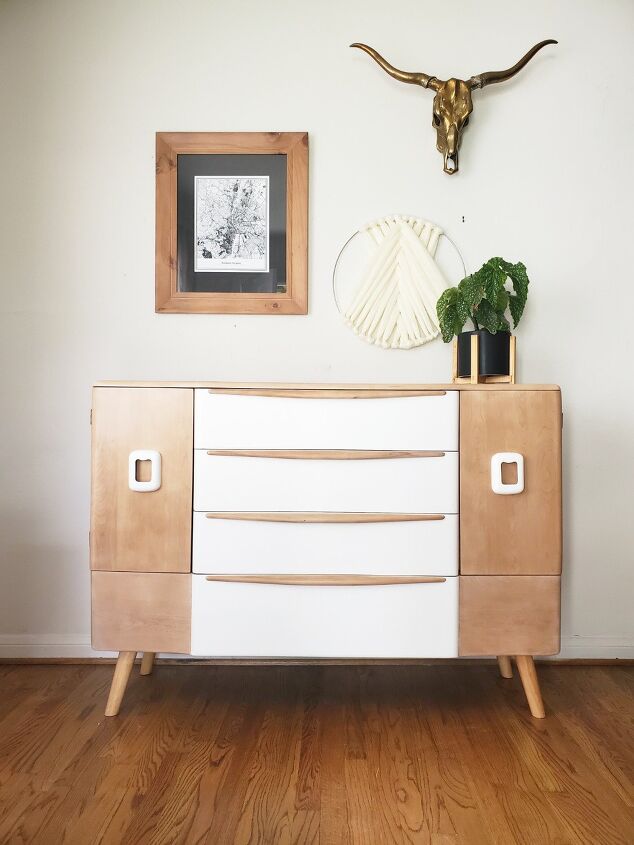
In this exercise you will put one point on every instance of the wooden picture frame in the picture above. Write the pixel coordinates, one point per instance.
(291, 296)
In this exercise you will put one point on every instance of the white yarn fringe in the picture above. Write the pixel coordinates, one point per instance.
(395, 305)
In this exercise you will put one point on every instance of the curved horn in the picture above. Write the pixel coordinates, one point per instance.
(492, 76)
(402, 75)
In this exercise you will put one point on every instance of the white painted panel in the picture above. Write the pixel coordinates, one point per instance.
(265, 620)
(414, 485)
(371, 548)
(226, 421)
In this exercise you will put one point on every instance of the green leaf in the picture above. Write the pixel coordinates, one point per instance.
(520, 286)
(472, 290)
(493, 278)
(502, 301)
(488, 317)
(516, 309)
(462, 310)
(517, 300)
(503, 323)
(505, 265)
(446, 301)
(447, 311)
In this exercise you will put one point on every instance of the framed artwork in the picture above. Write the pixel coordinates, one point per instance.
(232, 222)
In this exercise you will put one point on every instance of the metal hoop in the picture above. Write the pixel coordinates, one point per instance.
(352, 237)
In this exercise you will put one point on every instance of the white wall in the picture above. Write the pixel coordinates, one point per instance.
(546, 177)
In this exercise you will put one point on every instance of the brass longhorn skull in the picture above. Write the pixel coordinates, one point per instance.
(452, 103)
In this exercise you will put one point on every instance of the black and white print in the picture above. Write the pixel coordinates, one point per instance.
(231, 224)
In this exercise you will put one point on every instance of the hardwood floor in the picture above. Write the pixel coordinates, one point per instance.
(394, 754)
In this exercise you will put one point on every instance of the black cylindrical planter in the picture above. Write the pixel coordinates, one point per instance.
(493, 353)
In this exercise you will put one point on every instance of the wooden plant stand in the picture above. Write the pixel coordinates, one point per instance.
(475, 377)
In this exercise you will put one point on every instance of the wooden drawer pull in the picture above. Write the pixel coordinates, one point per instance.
(292, 516)
(322, 454)
(324, 393)
(329, 580)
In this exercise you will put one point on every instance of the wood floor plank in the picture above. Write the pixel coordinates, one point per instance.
(128, 777)
(492, 825)
(496, 775)
(321, 755)
(224, 784)
(602, 738)
(100, 785)
(25, 818)
(400, 794)
(190, 796)
(305, 827)
(331, 711)
(146, 809)
(34, 737)
(268, 808)
(451, 804)
(31, 708)
(586, 805)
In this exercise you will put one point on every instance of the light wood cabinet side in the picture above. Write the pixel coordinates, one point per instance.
(130, 530)
(510, 534)
(139, 611)
(509, 614)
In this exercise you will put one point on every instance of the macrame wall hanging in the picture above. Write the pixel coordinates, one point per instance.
(394, 306)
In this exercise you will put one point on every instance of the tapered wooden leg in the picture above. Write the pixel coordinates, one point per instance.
(122, 670)
(526, 668)
(147, 662)
(506, 668)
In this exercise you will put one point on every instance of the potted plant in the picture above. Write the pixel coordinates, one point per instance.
(484, 298)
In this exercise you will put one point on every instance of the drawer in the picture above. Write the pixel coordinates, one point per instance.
(381, 544)
(399, 484)
(274, 620)
(423, 420)
(509, 614)
(141, 611)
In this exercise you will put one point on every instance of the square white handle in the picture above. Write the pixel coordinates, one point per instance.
(154, 482)
(497, 485)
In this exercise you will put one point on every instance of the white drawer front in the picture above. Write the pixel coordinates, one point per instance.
(425, 547)
(226, 421)
(409, 485)
(266, 620)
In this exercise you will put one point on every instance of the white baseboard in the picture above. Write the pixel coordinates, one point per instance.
(78, 645)
(48, 645)
(606, 647)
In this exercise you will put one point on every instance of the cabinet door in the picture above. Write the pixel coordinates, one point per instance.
(145, 529)
(517, 533)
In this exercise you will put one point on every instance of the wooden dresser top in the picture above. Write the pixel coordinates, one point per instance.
(245, 385)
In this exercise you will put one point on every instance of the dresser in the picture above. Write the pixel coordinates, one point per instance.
(326, 521)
